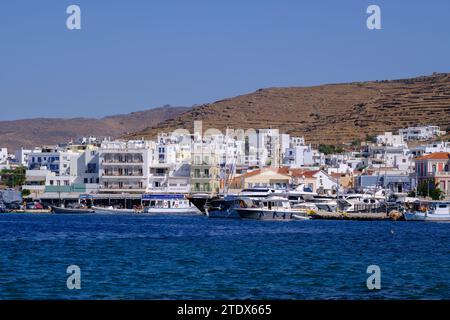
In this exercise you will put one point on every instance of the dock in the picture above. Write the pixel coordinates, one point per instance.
(367, 216)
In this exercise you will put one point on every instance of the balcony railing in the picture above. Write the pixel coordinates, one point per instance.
(116, 175)
(201, 176)
(115, 161)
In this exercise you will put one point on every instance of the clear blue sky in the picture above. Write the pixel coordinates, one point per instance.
(134, 55)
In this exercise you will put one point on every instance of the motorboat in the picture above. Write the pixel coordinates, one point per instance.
(222, 207)
(271, 208)
(168, 204)
(358, 202)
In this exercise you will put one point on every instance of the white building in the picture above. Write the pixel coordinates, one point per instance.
(124, 165)
(299, 156)
(72, 169)
(22, 156)
(420, 133)
(3, 155)
(389, 139)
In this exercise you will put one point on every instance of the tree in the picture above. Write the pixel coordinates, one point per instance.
(25, 193)
(13, 177)
(428, 188)
(330, 149)
(371, 138)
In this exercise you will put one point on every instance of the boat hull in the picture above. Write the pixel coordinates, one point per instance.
(114, 211)
(192, 210)
(60, 210)
(258, 214)
(224, 208)
(424, 216)
(199, 202)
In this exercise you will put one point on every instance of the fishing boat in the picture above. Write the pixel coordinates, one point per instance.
(271, 208)
(71, 210)
(168, 204)
(428, 211)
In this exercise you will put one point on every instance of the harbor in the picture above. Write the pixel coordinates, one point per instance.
(262, 175)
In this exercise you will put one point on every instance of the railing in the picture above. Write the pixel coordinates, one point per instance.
(108, 175)
(125, 187)
(108, 161)
(201, 176)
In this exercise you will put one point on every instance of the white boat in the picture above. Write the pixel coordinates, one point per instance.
(429, 211)
(301, 193)
(271, 208)
(168, 204)
(71, 210)
(114, 210)
(358, 202)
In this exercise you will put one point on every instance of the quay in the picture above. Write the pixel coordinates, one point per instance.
(368, 216)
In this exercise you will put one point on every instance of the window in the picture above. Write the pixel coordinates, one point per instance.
(85, 180)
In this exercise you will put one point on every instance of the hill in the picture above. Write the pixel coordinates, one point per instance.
(47, 131)
(332, 114)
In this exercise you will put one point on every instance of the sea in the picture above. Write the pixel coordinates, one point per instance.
(194, 257)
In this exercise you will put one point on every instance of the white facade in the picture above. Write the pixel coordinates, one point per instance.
(420, 133)
(124, 165)
(22, 156)
(299, 156)
(3, 155)
(389, 139)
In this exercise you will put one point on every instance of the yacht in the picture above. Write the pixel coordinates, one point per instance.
(271, 208)
(222, 207)
(199, 200)
(428, 211)
(357, 202)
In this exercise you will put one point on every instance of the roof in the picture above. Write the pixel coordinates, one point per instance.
(435, 156)
(303, 173)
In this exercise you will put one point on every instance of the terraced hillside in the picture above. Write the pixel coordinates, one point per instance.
(334, 114)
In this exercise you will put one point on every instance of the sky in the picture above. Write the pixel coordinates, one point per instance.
(134, 55)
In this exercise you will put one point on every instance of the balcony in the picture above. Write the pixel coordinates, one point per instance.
(124, 188)
(125, 176)
(119, 162)
(201, 176)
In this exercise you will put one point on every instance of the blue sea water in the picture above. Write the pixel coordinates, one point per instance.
(193, 257)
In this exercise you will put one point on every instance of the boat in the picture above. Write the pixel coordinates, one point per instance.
(114, 210)
(71, 210)
(358, 202)
(257, 192)
(168, 204)
(271, 208)
(428, 211)
(199, 200)
(222, 207)
(301, 193)
(3, 207)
